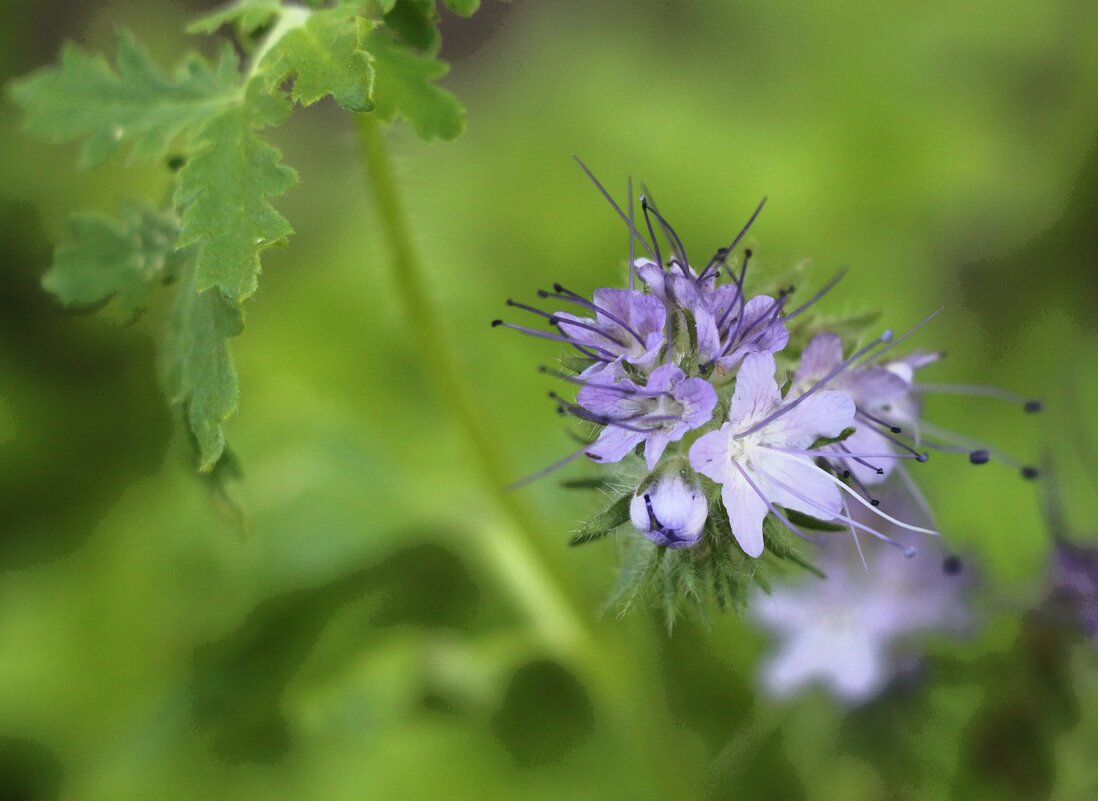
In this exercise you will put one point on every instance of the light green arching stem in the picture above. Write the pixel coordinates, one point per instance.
(554, 592)
(533, 573)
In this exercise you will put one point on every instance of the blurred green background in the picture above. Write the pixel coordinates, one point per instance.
(377, 634)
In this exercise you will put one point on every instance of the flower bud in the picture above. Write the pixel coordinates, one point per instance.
(670, 512)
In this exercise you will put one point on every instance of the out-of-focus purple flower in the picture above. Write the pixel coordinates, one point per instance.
(759, 456)
(671, 512)
(849, 631)
(657, 414)
(1075, 584)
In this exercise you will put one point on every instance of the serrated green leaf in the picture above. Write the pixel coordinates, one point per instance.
(83, 97)
(248, 16)
(325, 57)
(415, 23)
(222, 196)
(604, 523)
(465, 8)
(196, 367)
(403, 88)
(120, 259)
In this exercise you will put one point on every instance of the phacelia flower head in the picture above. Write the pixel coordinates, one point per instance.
(723, 420)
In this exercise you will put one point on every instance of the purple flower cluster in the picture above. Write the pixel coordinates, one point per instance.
(738, 405)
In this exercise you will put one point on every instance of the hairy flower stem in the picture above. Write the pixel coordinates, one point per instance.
(532, 572)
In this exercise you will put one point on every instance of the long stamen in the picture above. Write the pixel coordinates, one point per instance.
(552, 318)
(632, 241)
(908, 550)
(624, 390)
(651, 231)
(1030, 406)
(977, 451)
(854, 534)
(876, 356)
(724, 253)
(916, 493)
(763, 321)
(895, 429)
(844, 453)
(786, 408)
(677, 248)
(559, 322)
(554, 338)
(812, 300)
(578, 411)
(739, 299)
(876, 509)
(633, 231)
(922, 457)
(770, 506)
(563, 293)
(831, 454)
(530, 479)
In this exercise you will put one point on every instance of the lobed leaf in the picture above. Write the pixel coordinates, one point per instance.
(465, 8)
(222, 196)
(325, 57)
(248, 16)
(403, 87)
(196, 367)
(120, 259)
(415, 23)
(83, 97)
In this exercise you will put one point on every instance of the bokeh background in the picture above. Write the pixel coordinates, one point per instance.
(379, 630)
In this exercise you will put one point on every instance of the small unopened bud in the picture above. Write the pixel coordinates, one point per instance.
(671, 512)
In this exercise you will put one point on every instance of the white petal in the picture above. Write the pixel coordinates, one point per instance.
(823, 414)
(816, 495)
(709, 455)
(756, 393)
(746, 511)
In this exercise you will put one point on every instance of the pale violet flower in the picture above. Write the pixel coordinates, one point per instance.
(854, 630)
(759, 455)
(628, 325)
(888, 421)
(657, 414)
(882, 398)
(671, 512)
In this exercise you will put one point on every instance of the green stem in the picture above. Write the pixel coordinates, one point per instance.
(615, 672)
(544, 588)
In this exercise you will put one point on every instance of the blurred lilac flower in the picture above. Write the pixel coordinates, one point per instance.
(657, 414)
(671, 512)
(760, 456)
(849, 631)
(1075, 584)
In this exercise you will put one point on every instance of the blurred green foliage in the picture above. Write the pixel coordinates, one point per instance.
(364, 639)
